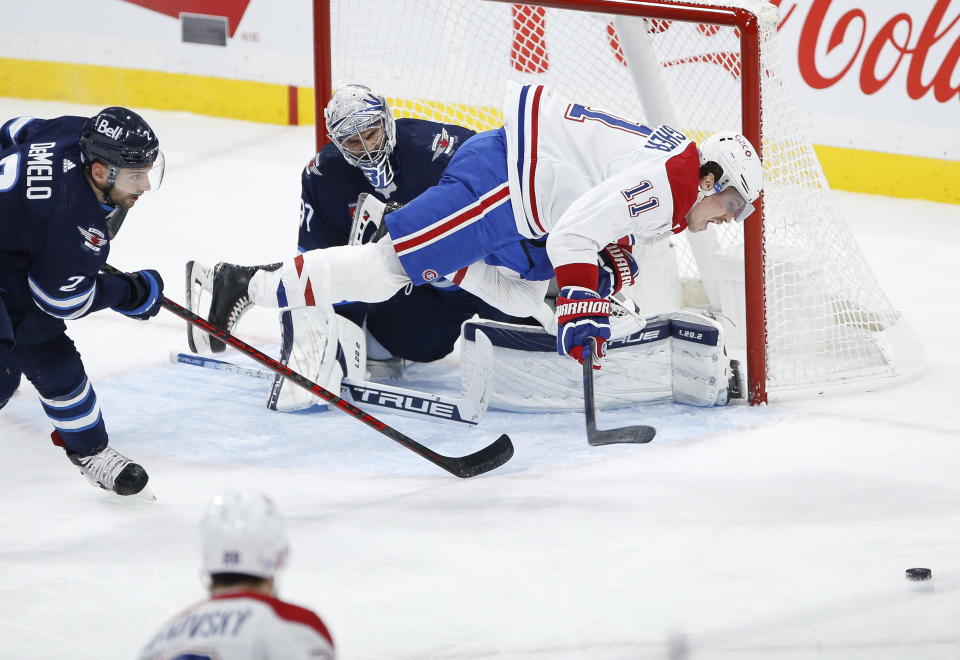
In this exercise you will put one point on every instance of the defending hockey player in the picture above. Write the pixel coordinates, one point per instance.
(390, 160)
(244, 544)
(580, 177)
(65, 186)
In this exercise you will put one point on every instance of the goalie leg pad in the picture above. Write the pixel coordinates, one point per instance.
(320, 345)
(677, 356)
(701, 370)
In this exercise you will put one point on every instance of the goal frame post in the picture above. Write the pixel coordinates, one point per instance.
(751, 106)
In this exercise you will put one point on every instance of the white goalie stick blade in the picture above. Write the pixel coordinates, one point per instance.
(199, 284)
(468, 409)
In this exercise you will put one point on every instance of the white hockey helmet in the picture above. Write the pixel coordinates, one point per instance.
(741, 166)
(353, 110)
(243, 532)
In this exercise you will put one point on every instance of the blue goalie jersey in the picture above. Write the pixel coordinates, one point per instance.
(421, 324)
(331, 185)
(53, 231)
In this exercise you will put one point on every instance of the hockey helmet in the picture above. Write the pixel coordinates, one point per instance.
(243, 532)
(121, 139)
(742, 169)
(353, 110)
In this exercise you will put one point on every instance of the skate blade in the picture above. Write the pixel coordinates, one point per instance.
(145, 494)
(199, 282)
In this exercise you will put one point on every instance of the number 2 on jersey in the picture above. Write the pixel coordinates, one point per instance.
(639, 189)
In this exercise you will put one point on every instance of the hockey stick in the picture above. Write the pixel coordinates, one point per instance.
(489, 458)
(465, 410)
(596, 437)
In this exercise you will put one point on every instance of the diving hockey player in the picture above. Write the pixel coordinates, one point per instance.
(244, 545)
(65, 186)
(391, 160)
(579, 177)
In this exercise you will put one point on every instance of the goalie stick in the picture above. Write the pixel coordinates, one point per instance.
(466, 410)
(489, 458)
(596, 437)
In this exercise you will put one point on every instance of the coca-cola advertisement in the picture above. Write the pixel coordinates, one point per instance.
(876, 75)
(881, 75)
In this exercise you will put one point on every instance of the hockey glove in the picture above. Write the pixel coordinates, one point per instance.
(146, 292)
(368, 225)
(581, 314)
(618, 269)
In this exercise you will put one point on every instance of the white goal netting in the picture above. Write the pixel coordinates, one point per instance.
(828, 322)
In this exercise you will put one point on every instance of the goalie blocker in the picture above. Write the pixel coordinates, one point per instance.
(675, 356)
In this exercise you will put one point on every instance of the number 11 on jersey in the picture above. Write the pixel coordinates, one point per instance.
(639, 189)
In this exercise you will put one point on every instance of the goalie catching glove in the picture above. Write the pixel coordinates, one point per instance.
(582, 314)
(368, 225)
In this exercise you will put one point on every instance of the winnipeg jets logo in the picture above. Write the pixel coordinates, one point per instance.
(443, 144)
(68, 165)
(93, 239)
(314, 166)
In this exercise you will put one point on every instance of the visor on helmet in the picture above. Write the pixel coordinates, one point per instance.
(735, 204)
(137, 180)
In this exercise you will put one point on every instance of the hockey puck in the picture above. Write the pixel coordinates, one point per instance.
(919, 574)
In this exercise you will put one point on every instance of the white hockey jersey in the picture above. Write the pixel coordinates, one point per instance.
(588, 178)
(242, 626)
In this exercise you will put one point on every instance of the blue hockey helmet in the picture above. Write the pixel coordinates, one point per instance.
(121, 140)
(350, 114)
(119, 137)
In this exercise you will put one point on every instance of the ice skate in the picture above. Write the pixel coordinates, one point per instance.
(110, 470)
(199, 283)
(229, 299)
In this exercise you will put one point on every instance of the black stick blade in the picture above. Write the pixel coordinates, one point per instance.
(627, 434)
(489, 458)
(638, 434)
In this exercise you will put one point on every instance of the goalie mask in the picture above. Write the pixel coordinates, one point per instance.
(742, 169)
(243, 532)
(362, 127)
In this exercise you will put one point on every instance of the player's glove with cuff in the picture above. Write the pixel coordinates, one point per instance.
(618, 269)
(581, 314)
(146, 292)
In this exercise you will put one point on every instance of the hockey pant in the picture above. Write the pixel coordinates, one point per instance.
(372, 273)
(55, 369)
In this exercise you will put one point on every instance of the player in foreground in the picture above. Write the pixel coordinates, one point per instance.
(581, 178)
(244, 547)
(392, 161)
(66, 185)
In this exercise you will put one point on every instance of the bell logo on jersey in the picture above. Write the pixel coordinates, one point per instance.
(443, 144)
(93, 239)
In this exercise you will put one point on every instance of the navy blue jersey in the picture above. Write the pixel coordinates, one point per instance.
(421, 324)
(331, 185)
(53, 232)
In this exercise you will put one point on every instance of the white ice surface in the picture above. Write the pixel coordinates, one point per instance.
(778, 532)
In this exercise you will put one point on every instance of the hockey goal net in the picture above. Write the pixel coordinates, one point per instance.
(796, 296)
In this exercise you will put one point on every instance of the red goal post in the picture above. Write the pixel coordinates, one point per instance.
(800, 304)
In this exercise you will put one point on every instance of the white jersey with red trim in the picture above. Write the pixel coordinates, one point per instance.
(588, 178)
(242, 626)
